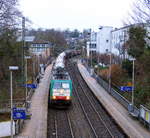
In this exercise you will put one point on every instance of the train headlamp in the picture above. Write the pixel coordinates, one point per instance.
(54, 97)
(68, 98)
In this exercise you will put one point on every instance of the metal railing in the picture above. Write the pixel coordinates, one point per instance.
(5, 105)
(143, 114)
(20, 123)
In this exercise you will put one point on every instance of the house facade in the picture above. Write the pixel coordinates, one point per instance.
(112, 40)
(100, 41)
(37, 48)
(119, 38)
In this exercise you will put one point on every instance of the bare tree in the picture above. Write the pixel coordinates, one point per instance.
(140, 12)
(8, 13)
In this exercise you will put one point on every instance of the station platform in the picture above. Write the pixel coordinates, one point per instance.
(36, 127)
(130, 126)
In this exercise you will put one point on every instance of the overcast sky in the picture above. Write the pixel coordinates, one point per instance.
(80, 14)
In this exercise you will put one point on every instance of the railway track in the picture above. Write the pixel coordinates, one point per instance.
(86, 118)
(100, 122)
(59, 125)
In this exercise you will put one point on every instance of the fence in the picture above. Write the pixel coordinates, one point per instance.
(113, 92)
(5, 105)
(20, 123)
(143, 114)
(5, 108)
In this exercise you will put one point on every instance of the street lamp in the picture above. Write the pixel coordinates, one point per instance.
(26, 58)
(12, 68)
(110, 71)
(133, 60)
(91, 58)
(110, 62)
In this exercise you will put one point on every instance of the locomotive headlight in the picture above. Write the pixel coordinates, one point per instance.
(54, 97)
(68, 98)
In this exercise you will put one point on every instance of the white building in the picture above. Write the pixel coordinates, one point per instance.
(119, 38)
(104, 39)
(100, 41)
(108, 39)
(92, 44)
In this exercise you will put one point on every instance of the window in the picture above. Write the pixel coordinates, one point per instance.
(92, 45)
(65, 85)
(59, 85)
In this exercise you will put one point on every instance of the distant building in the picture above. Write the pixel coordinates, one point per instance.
(120, 36)
(108, 39)
(28, 39)
(39, 47)
(100, 41)
(104, 39)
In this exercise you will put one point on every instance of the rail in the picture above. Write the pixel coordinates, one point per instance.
(142, 113)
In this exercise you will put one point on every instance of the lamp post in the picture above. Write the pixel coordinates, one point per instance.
(91, 58)
(11, 68)
(110, 62)
(90, 47)
(110, 71)
(26, 58)
(133, 60)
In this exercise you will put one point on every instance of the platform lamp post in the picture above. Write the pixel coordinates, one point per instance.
(91, 57)
(110, 71)
(110, 62)
(133, 61)
(26, 74)
(12, 68)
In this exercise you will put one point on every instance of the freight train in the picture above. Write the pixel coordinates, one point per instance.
(60, 92)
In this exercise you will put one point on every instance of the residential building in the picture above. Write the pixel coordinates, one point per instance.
(100, 41)
(104, 39)
(121, 36)
(39, 47)
(107, 39)
(28, 39)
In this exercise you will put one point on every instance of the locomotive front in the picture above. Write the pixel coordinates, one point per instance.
(61, 92)
(61, 84)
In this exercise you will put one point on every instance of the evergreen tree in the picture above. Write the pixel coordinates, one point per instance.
(136, 42)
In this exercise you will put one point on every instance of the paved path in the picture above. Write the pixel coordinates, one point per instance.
(132, 127)
(36, 127)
